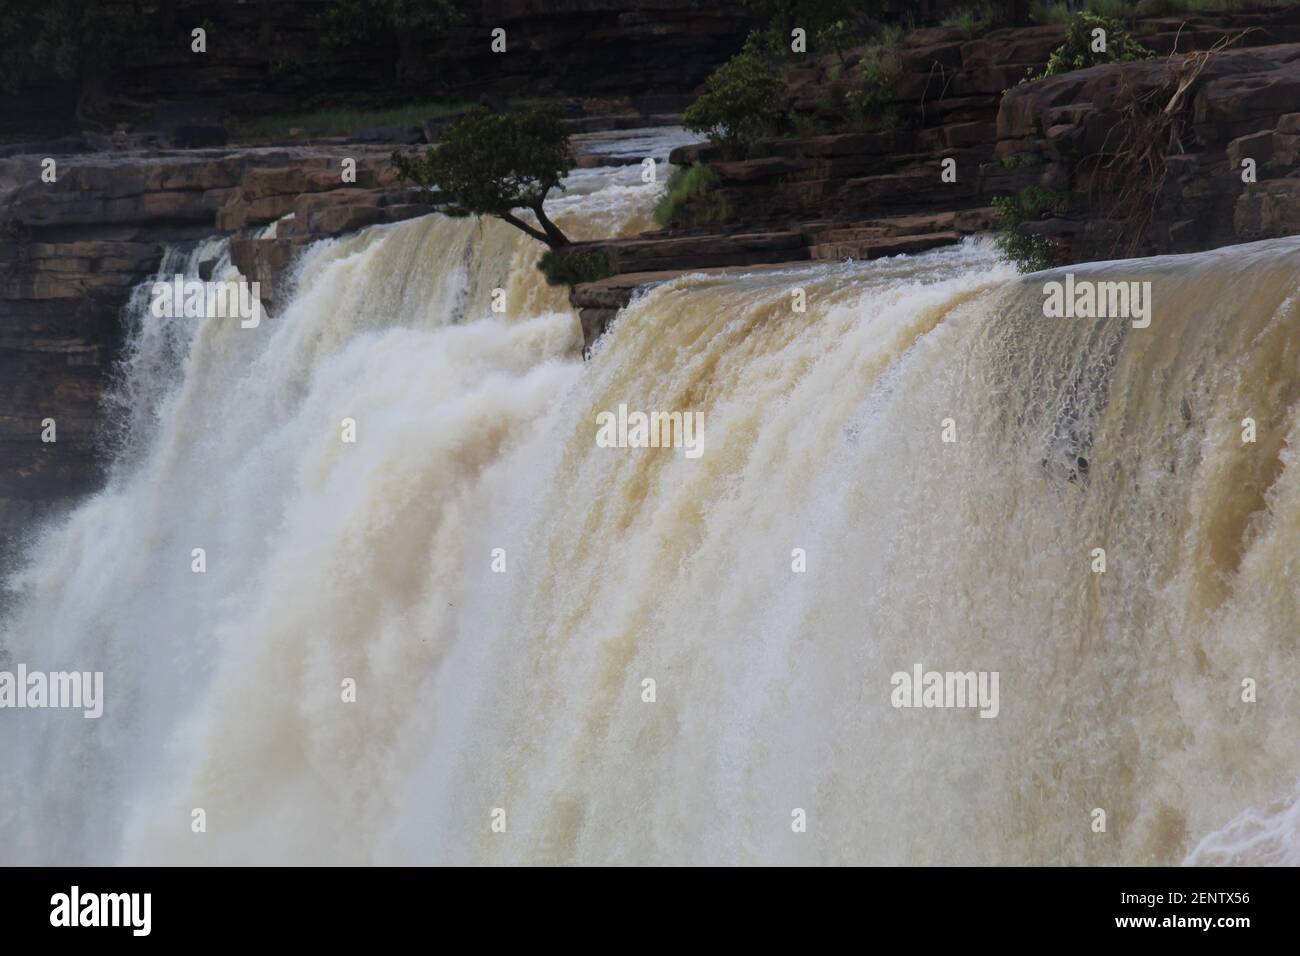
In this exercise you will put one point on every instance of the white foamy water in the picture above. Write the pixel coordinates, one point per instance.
(523, 691)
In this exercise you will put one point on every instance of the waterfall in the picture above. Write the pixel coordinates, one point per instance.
(890, 478)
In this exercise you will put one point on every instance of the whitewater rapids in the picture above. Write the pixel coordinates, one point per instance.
(522, 691)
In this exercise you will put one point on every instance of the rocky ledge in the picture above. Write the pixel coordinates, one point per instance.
(1135, 158)
(1161, 156)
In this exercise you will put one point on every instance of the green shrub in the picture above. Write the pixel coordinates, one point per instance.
(1077, 52)
(829, 23)
(891, 34)
(974, 19)
(1029, 253)
(691, 199)
(1020, 159)
(575, 266)
(836, 36)
(741, 105)
(869, 101)
(963, 20)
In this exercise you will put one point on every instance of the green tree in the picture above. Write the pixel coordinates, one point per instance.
(741, 104)
(490, 164)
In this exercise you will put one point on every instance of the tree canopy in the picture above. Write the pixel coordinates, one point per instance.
(490, 164)
(741, 103)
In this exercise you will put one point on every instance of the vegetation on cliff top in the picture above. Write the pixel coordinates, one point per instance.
(67, 39)
(1092, 39)
(575, 266)
(691, 199)
(827, 24)
(868, 102)
(490, 164)
(742, 103)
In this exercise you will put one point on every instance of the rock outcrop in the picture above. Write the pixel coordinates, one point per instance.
(1161, 156)
(72, 250)
(958, 106)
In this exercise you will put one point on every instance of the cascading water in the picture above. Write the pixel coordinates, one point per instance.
(500, 588)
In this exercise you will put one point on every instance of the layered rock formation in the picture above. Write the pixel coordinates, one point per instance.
(958, 104)
(71, 251)
(1162, 156)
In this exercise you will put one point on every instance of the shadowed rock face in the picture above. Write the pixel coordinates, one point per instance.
(268, 56)
(1241, 106)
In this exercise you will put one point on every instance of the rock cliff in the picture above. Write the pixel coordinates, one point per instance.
(1189, 121)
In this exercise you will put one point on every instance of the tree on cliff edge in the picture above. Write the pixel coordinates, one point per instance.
(490, 164)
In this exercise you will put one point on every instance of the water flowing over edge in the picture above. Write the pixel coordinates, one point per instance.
(500, 588)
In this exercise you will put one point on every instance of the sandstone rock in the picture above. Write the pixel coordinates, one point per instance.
(694, 153)
(958, 135)
(599, 124)
(646, 255)
(1268, 209)
(265, 261)
(1256, 146)
(1259, 86)
(1236, 109)
(882, 247)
